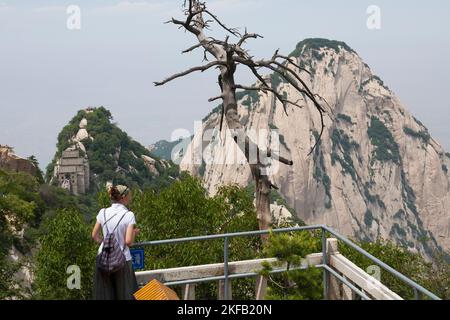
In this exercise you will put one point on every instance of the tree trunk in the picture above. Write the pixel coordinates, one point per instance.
(262, 183)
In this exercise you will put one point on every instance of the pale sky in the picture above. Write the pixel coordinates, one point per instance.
(48, 72)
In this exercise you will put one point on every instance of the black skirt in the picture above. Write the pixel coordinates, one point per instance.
(120, 285)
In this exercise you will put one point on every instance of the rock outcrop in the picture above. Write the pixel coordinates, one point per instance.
(377, 172)
(10, 161)
(92, 150)
(72, 168)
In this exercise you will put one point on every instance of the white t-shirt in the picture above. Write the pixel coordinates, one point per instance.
(113, 215)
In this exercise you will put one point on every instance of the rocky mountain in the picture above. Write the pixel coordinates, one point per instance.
(169, 150)
(377, 172)
(92, 150)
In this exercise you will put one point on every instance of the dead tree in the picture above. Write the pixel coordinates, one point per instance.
(226, 57)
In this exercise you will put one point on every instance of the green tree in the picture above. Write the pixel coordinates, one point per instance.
(185, 210)
(19, 205)
(434, 277)
(290, 249)
(39, 174)
(65, 242)
(307, 284)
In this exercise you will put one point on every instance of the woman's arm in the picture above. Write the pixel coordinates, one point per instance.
(132, 231)
(96, 233)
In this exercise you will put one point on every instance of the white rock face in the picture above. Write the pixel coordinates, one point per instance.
(81, 135)
(280, 214)
(376, 174)
(83, 123)
(150, 163)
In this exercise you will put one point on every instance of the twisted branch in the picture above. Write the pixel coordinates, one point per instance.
(191, 70)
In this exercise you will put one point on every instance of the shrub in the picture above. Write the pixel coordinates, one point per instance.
(386, 149)
(345, 117)
(368, 218)
(422, 135)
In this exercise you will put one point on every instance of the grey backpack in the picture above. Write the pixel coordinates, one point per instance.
(111, 258)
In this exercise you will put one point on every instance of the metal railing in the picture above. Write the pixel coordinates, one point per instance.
(325, 263)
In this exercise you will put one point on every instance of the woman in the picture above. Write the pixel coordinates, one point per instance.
(117, 219)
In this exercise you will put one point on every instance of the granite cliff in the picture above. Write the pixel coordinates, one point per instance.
(377, 172)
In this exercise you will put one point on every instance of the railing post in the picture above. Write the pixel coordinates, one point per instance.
(324, 262)
(189, 291)
(416, 294)
(225, 269)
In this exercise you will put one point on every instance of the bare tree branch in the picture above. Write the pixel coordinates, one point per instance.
(233, 31)
(199, 45)
(247, 36)
(264, 89)
(290, 60)
(215, 98)
(191, 70)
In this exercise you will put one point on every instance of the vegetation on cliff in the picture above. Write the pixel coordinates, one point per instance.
(112, 154)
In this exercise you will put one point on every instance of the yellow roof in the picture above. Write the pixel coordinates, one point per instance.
(155, 290)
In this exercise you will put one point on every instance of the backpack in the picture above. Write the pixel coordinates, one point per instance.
(111, 258)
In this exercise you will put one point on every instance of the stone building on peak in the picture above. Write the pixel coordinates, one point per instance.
(72, 171)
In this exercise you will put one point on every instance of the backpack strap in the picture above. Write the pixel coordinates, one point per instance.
(117, 225)
(106, 221)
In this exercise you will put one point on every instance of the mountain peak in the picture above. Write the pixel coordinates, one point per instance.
(93, 150)
(319, 43)
(376, 173)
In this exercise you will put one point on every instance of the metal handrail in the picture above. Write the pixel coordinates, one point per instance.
(416, 287)
(383, 265)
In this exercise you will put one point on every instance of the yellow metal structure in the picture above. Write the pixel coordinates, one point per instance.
(155, 290)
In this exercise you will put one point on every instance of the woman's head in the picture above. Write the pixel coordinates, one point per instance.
(119, 194)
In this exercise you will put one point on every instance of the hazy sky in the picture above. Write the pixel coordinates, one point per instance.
(48, 72)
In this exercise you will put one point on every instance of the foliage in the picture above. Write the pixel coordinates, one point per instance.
(291, 248)
(163, 149)
(373, 199)
(374, 78)
(249, 97)
(185, 210)
(345, 118)
(24, 205)
(277, 79)
(66, 242)
(341, 141)
(406, 262)
(317, 44)
(20, 204)
(368, 218)
(307, 284)
(39, 174)
(113, 155)
(400, 215)
(319, 172)
(386, 149)
(422, 135)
